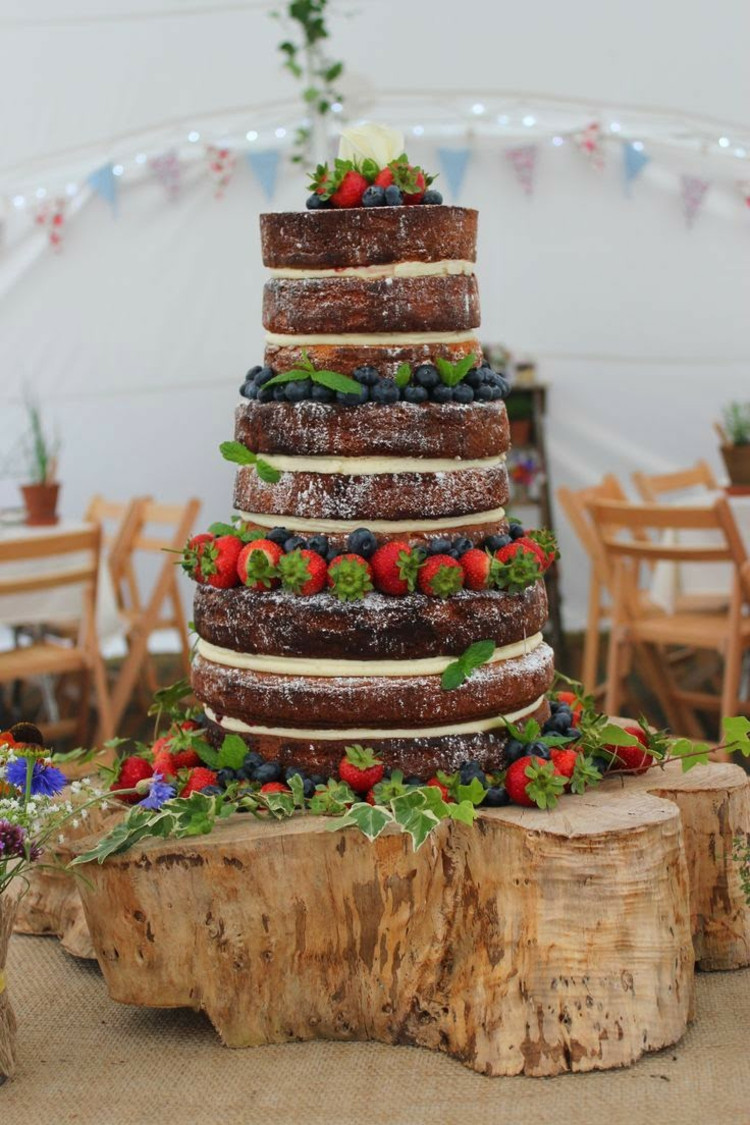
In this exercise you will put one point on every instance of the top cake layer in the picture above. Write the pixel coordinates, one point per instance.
(362, 236)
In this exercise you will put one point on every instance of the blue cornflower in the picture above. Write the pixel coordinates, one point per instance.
(158, 794)
(46, 780)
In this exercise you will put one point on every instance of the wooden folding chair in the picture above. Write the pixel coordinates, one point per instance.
(45, 657)
(163, 608)
(655, 486)
(726, 633)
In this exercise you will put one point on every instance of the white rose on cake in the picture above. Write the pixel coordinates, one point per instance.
(371, 142)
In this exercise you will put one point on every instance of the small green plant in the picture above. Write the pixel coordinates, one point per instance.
(737, 422)
(39, 450)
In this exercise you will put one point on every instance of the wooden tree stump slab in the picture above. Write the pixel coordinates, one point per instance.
(531, 943)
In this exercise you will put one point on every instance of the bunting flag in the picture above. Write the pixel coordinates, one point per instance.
(693, 191)
(523, 160)
(265, 167)
(104, 182)
(589, 142)
(634, 160)
(221, 162)
(168, 171)
(454, 162)
(50, 215)
(743, 187)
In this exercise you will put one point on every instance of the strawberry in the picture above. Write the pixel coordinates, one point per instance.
(349, 577)
(370, 797)
(303, 572)
(410, 180)
(532, 781)
(394, 568)
(476, 567)
(384, 177)
(257, 564)
(575, 704)
(212, 560)
(564, 760)
(360, 769)
(514, 567)
(530, 545)
(275, 787)
(440, 576)
(631, 758)
(437, 784)
(132, 770)
(198, 779)
(545, 545)
(349, 193)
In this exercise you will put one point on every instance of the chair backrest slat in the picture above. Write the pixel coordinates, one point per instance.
(49, 548)
(43, 546)
(576, 507)
(652, 486)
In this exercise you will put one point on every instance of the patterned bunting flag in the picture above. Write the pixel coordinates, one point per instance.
(167, 170)
(634, 160)
(523, 160)
(453, 163)
(589, 142)
(221, 163)
(50, 215)
(693, 191)
(104, 182)
(265, 167)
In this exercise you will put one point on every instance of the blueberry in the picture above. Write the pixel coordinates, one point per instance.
(269, 771)
(439, 546)
(317, 779)
(250, 377)
(514, 750)
(599, 762)
(426, 375)
(345, 398)
(495, 798)
(245, 773)
(315, 203)
(292, 771)
(385, 392)
(557, 724)
(279, 536)
(293, 542)
(249, 390)
(462, 545)
(483, 393)
(442, 394)
(452, 553)
(308, 788)
(279, 393)
(298, 391)
(502, 384)
(413, 781)
(225, 777)
(393, 196)
(495, 542)
(366, 375)
(374, 196)
(265, 394)
(538, 750)
(320, 393)
(415, 394)
(432, 196)
(469, 770)
(463, 393)
(516, 529)
(252, 760)
(554, 704)
(319, 544)
(263, 376)
(362, 542)
(331, 554)
(497, 394)
(474, 378)
(212, 790)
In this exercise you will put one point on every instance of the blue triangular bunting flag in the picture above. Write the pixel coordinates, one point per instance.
(634, 160)
(265, 166)
(454, 162)
(104, 182)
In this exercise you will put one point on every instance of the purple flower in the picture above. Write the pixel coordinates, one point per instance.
(158, 793)
(12, 841)
(46, 780)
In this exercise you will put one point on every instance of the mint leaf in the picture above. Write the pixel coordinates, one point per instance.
(403, 375)
(335, 381)
(232, 753)
(612, 735)
(237, 453)
(474, 657)
(453, 676)
(266, 472)
(296, 375)
(453, 373)
(206, 753)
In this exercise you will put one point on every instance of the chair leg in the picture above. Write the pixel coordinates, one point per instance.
(105, 726)
(681, 719)
(614, 673)
(84, 704)
(730, 691)
(590, 663)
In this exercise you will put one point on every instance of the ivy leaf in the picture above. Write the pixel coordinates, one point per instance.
(463, 811)
(737, 734)
(139, 823)
(267, 472)
(297, 787)
(280, 805)
(232, 753)
(335, 381)
(418, 823)
(473, 792)
(369, 819)
(691, 753)
(403, 375)
(237, 453)
(612, 735)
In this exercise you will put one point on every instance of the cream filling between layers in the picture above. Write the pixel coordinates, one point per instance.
(446, 267)
(371, 339)
(359, 734)
(331, 527)
(310, 666)
(377, 466)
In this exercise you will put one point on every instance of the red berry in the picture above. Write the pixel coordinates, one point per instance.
(516, 781)
(395, 567)
(132, 770)
(416, 197)
(476, 567)
(370, 797)
(631, 758)
(198, 779)
(303, 572)
(384, 177)
(573, 702)
(350, 191)
(360, 769)
(349, 577)
(440, 576)
(510, 550)
(564, 760)
(275, 787)
(437, 784)
(257, 564)
(212, 560)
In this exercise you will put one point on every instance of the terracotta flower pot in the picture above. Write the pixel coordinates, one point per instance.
(8, 907)
(737, 461)
(520, 431)
(41, 503)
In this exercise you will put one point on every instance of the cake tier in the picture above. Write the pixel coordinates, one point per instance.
(367, 236)
(419, 753)
(353, 304)
(443, 490)
(337, 353)
(475, 526)
(379, 699)
(378, 627)
(402, 429)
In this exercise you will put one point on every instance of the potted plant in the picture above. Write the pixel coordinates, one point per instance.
(735, 442)
(520, 412)
(41, 493)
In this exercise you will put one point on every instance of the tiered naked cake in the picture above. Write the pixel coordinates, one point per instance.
(378, 294)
